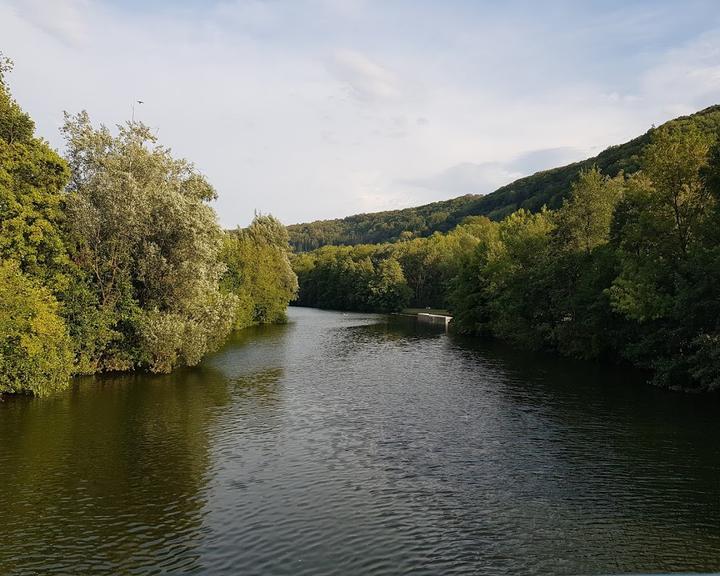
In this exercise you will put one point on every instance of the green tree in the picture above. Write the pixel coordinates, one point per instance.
(584, 220)
(502, 289)
(35, 349)
(258, 271)
(141, 230)
(32, 182)
(674, 162)
(388, 290)
(668, 277)
(470, 289)
(583, 267)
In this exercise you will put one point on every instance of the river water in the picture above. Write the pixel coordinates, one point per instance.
(356, 444)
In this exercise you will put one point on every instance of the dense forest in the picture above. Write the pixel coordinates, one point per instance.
(627, 268)
(547, 188)
(384, 277)
(111, 258)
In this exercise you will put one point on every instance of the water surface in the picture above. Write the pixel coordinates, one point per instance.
(350, 444)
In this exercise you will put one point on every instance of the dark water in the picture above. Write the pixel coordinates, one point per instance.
(344, 444)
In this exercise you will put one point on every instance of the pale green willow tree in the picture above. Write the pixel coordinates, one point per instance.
(140, 229)
(259, 272)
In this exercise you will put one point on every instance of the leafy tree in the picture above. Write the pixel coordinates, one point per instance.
(668, 275)
(625, 268)
(111, 260)
(140, 229)
(583, 222)
(517, 289)
(32, 181)
(470, 289)
(388, 290)
(14, 123)
(674, 162)
(258, 271)
(35, 349)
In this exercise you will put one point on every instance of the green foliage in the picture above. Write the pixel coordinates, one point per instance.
(15, 125)
(381, 227)
(383, 277)
(626, 266)
(114, 260)
(32, 179)
(666, 241)
(674, 162)
(584, 220)
(141, 231)
(501, 288)
(388, 290)
(35, 349)
(336, 277)
(258, 272)
(624, 269)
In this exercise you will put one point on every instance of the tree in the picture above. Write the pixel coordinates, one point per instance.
(14, 123)
(141, 231)
(674, 161)
(388, 290)
(32, 182)
(668, 256)
(258, 271)
(584, 220)
(35, 349)
(470, 289)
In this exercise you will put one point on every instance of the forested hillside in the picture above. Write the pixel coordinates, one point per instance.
(380, 227)
(547, 188)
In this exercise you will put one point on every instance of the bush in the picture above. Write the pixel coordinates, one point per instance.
(35, 349)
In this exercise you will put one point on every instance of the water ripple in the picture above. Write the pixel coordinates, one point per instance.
(344, 444)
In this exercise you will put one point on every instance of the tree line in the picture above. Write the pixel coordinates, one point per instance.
(111, 258)
(546, 188)
(384, 277)
(627, 268)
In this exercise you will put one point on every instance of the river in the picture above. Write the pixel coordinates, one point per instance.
(357, 444)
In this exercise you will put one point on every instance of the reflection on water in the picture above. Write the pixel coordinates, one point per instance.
(354, 444)
(109, 475)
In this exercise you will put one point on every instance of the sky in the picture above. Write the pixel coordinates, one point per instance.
(313, 109)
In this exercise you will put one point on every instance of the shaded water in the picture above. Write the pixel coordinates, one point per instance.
(347, 444)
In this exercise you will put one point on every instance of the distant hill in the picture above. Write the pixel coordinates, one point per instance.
(548, 188)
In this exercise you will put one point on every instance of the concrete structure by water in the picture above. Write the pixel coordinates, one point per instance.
(435, 319)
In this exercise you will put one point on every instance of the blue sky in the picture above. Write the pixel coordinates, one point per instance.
(322, 108)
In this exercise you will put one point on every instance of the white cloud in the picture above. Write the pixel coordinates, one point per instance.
(468, 178)
(366, 80)
(64, 19)
(485, 177)
(317, 109)
(687, 77)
